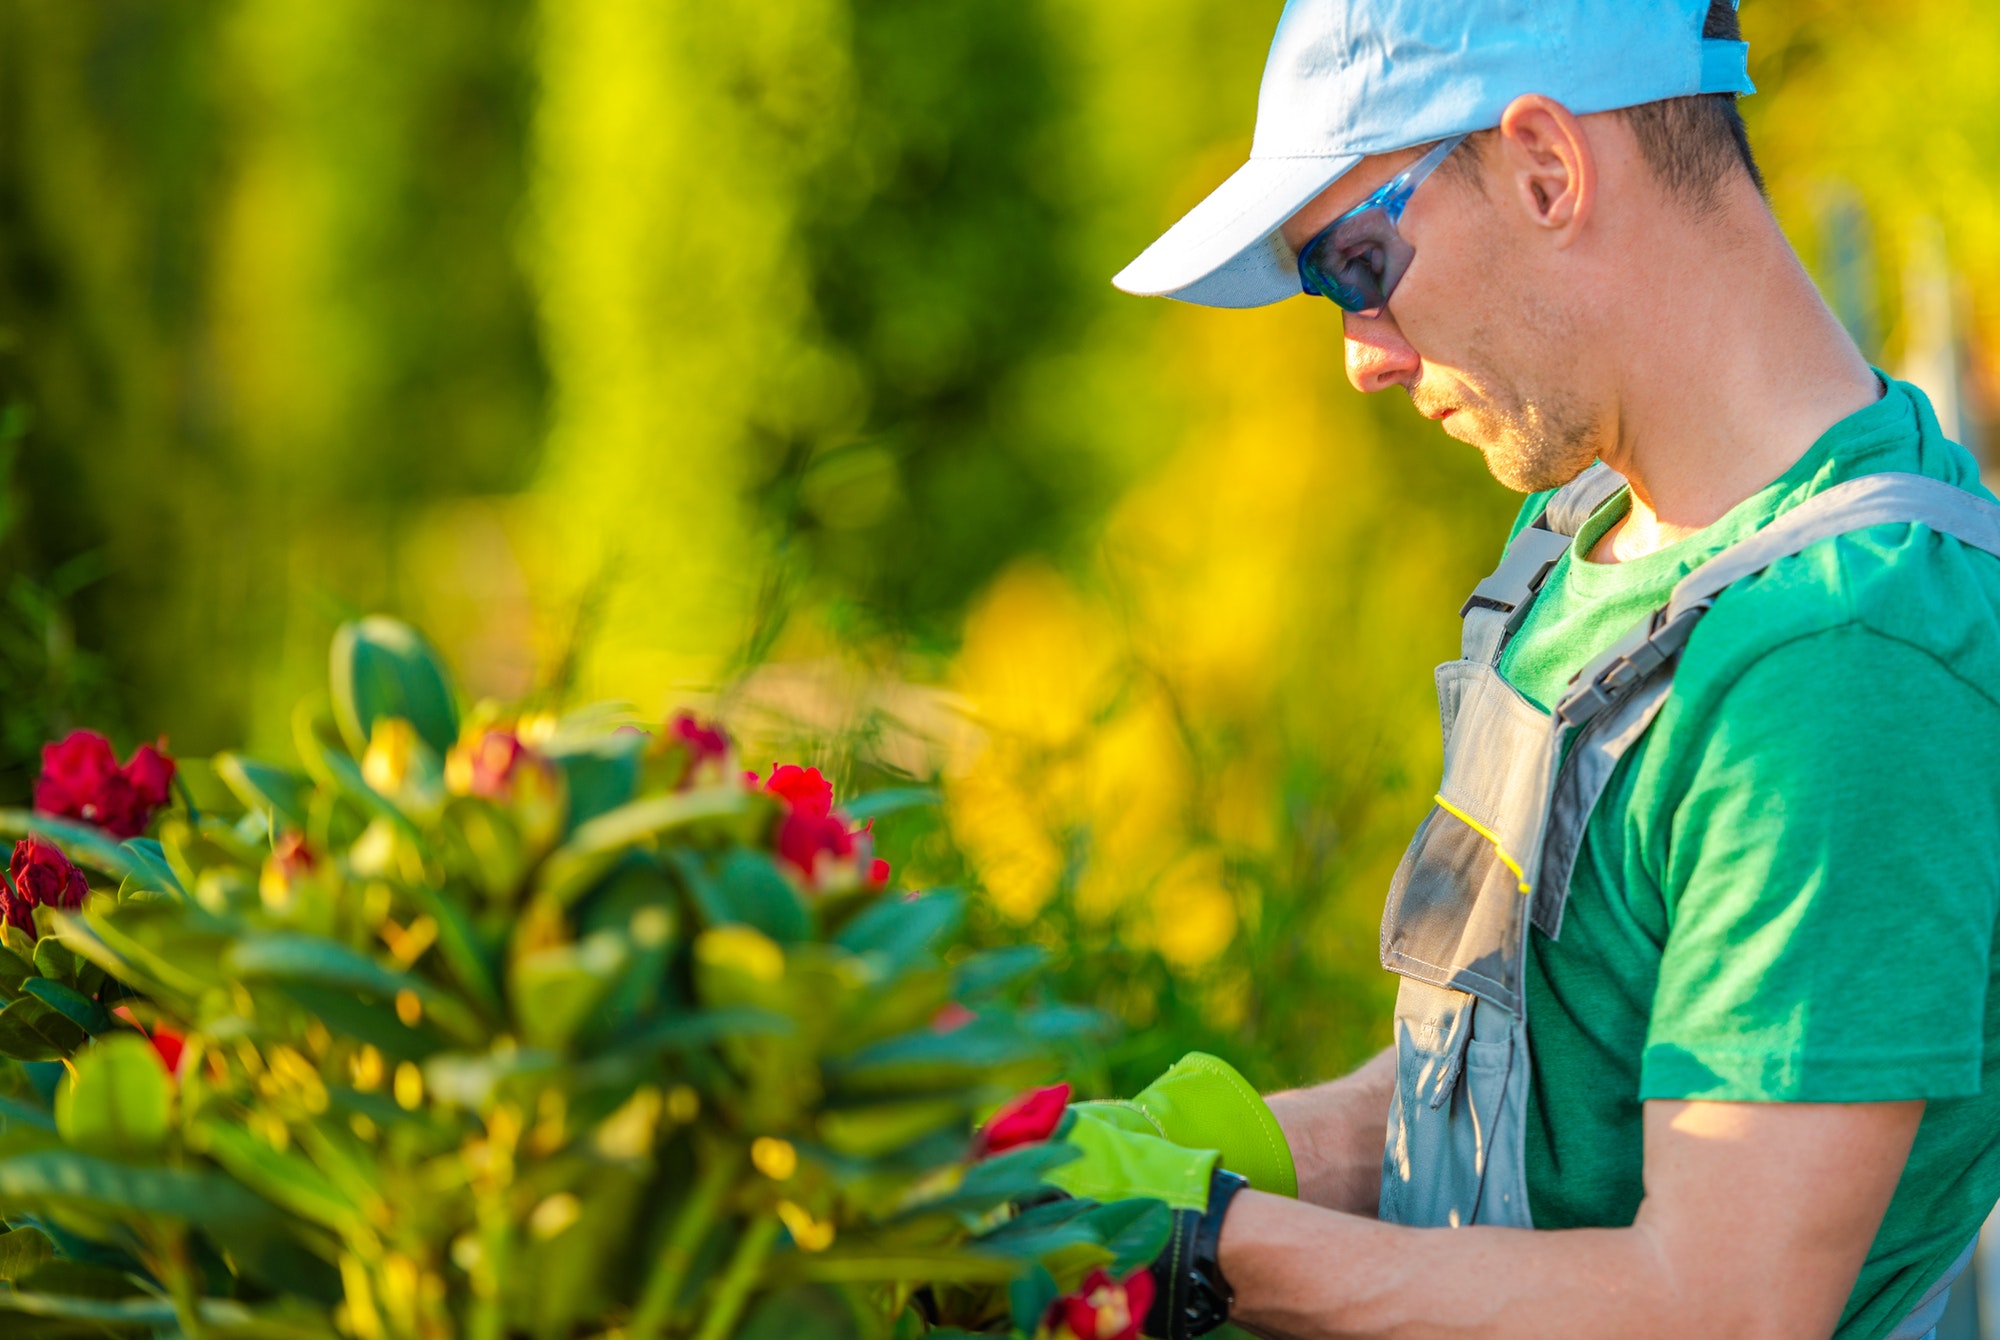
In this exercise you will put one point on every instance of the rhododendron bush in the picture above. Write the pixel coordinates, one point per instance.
(481, 1024)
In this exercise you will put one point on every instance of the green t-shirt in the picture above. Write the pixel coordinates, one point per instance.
(1788, 891)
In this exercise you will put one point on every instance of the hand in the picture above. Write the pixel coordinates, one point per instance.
(1203, 1103)
(1190, 1297)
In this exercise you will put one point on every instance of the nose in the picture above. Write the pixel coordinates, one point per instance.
(1378, 357)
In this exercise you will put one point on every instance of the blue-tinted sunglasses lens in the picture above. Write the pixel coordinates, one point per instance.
(1356, 262)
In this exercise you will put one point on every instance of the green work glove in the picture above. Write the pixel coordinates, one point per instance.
(1121, 1162)
(1202, 1103)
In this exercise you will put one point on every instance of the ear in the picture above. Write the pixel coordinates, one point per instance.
(1547, 164)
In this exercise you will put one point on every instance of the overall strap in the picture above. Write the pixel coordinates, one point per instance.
(1612, 701)
(1499, 604)
(1872, 500)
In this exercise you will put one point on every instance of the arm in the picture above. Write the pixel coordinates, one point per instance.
(1757, 1218)
(1336, 1132)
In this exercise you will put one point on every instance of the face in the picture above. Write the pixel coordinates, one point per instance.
(1477, 332)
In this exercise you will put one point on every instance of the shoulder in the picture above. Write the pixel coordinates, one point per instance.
(1847, 609)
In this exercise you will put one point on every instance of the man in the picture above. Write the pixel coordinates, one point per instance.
(1693, 1036)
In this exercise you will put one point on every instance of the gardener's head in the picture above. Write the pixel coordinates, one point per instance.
(1492, 192)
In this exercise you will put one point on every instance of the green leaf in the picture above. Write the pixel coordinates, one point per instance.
(23, 1251)
(601, 774)
(282, 1178)
(913, 1265)
(309, 958)
(65, 1179)
(32, 1031)
(594, 847)
(72, 1004)
(1014, 1175)
(878, 803)
(925, 1059)
(753, 893)
(116, 1105)
(1031, 1297)
(983, 974)
(224, 1318)
(54, 961)
(1136, 1232)
(151, 871)
(802, 1312)
(382, 667)
(902, 931)
(14, 1111)
(555, 990)
(79, 1279)
(14, 969)
(867, 1132)
(364, 1021)
(262, 787)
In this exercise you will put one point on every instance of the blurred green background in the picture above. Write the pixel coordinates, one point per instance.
(762, 356)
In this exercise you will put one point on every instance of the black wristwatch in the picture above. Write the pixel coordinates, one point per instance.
(1192, 1298)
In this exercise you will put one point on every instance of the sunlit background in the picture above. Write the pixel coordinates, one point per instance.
(762, 356)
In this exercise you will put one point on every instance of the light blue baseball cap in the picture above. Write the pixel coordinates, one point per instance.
(1349, 78)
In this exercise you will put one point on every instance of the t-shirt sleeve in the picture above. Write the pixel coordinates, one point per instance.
(1832, 875)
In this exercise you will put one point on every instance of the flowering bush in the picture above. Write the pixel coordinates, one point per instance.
(503, 1025)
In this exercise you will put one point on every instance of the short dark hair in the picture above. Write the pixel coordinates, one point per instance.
(1692, 144)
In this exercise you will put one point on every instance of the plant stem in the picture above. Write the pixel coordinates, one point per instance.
(697, 1216)
(733, 1290)
(182, 1285)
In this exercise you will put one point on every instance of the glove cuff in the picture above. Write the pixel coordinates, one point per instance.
(1204, 1103)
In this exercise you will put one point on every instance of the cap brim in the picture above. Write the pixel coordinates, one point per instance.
(1227, 251)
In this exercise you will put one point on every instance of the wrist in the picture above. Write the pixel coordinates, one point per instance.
(1193, 1296)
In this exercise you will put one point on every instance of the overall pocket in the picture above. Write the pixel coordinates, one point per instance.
(1453, 1152)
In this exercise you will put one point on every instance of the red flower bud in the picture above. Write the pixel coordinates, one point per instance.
(81, 779)
(1027, 1120)
(878, 873)
(707, 743)
(40, 876)
(1105, 1308)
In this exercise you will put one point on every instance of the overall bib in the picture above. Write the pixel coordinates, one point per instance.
(1495, 854)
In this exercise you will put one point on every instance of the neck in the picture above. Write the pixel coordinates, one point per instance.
(1726, 384)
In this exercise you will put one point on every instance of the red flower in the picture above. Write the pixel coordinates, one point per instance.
(1105, 1308)
(804, 837)
(292, 856)
(878, 873)
(39, 876)
(951, 1018)
(81, 779)
(1027, 1120)
(706, 743)
(803, 789)
(492, 759)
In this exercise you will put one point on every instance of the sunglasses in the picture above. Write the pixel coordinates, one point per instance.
(1358, 259)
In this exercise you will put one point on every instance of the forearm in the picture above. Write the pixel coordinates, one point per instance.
(1303, 1273)
(1336, 1132)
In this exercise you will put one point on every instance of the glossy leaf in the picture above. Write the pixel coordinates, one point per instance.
(384, 668)
(32, 1031)
(117, 1104)
(263, 787)
(902, 931)
(282, 1178)
(23, 1251)
(72, 1004)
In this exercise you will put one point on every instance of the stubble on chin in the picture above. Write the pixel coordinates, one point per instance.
(1536, 449)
